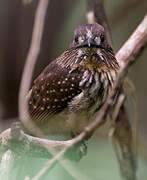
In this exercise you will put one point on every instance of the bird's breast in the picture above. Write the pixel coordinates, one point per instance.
(95, 88)
(84, 107)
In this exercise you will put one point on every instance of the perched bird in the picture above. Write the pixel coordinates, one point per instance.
(70, 91)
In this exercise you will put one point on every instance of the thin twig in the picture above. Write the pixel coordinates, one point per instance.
(30, 65)
(50, 164)
(66, 164)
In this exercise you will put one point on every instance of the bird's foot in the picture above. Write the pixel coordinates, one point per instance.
(78, 150)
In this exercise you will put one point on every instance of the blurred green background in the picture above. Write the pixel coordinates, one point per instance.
(16, 22)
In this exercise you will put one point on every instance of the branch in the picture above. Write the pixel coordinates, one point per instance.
(30, 65)
(19, 144)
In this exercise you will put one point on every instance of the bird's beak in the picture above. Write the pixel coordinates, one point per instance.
(90, 42)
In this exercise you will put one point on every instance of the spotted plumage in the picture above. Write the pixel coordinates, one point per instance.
(70, 91)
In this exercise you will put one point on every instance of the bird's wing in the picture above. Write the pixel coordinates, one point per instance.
(54, 88)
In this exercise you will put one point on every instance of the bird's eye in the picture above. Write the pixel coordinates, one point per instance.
(97, 40)
(102, 38)
(76, 39)
(81, 39)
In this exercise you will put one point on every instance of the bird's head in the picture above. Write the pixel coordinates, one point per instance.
(92, 48)
(88, 35)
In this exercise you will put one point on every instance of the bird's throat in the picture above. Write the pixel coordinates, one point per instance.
(91, 60)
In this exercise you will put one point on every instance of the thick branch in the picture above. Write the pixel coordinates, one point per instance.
(31, 146)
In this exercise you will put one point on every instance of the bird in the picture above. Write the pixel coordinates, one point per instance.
(68, 94)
